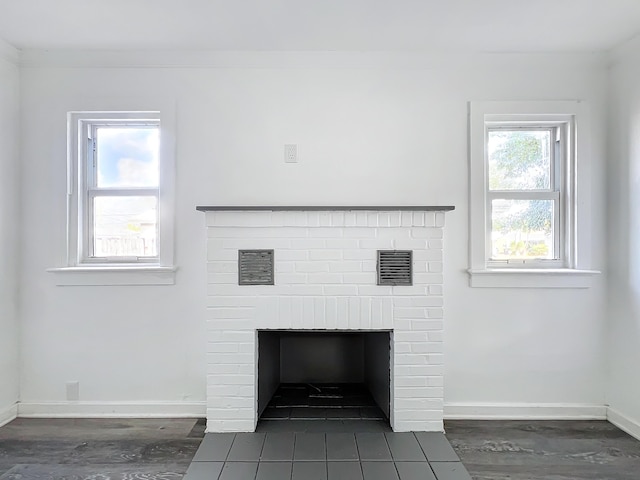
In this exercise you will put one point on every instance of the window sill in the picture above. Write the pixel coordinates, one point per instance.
(105, 275)
(531, 278)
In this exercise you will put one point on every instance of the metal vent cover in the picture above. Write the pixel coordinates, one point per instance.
(255, 267)
(395, 267)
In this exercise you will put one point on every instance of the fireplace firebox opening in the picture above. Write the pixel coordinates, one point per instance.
(324, 375)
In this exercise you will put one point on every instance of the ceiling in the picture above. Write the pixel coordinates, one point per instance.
(347, 25)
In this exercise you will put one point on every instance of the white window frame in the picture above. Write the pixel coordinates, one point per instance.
(81, 267)
(570, 188)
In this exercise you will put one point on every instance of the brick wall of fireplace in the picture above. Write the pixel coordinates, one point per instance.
(325, 279)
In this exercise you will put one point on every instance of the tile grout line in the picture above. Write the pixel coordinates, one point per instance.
(426, 456)
(393, 459)
(264, 442)
(355, 439)
(326, 455)
(293, 453)
(235, 435)
(224, 463)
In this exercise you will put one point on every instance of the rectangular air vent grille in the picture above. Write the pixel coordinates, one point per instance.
(255, 267)
(395, 267)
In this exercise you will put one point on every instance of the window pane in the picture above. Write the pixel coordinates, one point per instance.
(519, 159)
(125, 226)
(127, 156)
(522, 229)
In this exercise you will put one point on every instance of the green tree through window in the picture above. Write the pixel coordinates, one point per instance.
(520, 161)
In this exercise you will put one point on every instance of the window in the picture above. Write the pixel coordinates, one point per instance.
(526, 194)
(120, 197)
(120, 201)
(524, 191)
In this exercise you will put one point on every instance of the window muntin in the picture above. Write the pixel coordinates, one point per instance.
(524, 194)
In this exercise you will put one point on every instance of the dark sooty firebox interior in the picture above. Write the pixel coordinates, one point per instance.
(332, 375)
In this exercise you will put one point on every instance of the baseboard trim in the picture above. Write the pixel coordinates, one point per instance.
(8, 414)
(524, 411)
(631, 426)
(452, 411)
(112, 410)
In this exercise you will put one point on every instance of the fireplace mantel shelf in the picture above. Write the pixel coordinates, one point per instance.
(299, 208)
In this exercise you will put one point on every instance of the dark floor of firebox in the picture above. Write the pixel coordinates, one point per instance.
(336, 401)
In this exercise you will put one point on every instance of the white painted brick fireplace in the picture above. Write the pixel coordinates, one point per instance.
(325, 279)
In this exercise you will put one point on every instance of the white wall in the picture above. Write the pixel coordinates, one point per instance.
(623, 319)
(370, 130)
(10, 220)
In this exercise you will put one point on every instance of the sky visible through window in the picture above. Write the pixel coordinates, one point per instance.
(126, 158)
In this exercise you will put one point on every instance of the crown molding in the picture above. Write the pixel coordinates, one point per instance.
(303, 59)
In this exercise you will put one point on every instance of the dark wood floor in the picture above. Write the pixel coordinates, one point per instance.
(104, 449)
(545, 450)
(39, 449)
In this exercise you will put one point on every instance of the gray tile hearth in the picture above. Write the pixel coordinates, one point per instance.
(363, 455)
(274, 470)
(310, 447)
(246, 447)
(372, 446)
(414, 470)
(449, 470)
(309, 471)
(341, 446)
(405, 447)
(278, 447)
(436, 447)
(214, 448)
(344, 470)
(205, 469)
(236, 471)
